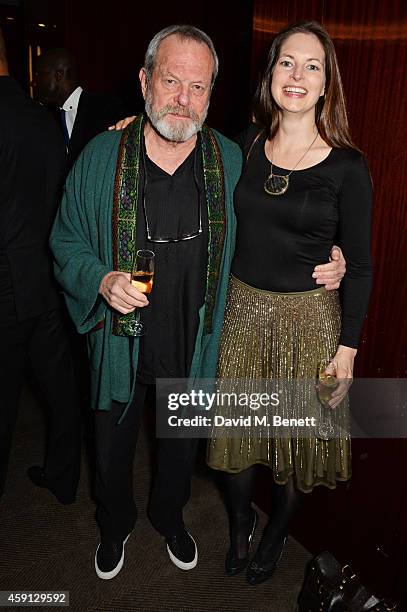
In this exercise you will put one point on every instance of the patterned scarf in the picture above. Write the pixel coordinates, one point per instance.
(125, 213)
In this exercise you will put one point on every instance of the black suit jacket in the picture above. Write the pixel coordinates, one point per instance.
(32, 169)
(96, 112)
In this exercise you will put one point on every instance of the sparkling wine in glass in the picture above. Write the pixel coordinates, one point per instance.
(325, 378)
(142, 278)
(327, 383)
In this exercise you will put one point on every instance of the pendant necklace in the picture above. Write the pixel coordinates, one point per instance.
(277, 184)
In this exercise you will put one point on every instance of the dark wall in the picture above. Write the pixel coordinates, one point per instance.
(11, 22)
(30, 26)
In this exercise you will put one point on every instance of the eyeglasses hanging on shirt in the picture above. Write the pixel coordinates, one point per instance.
(160, 236)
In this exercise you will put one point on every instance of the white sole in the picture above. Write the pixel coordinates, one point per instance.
(181, 564)
(116, 570)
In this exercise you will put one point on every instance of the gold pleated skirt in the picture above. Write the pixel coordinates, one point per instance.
(268, 335)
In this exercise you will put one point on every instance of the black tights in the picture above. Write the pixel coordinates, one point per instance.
(285, 502)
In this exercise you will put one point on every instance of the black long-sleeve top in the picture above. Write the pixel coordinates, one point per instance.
(280, 239)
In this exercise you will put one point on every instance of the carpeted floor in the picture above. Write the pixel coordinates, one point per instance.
(46, 546)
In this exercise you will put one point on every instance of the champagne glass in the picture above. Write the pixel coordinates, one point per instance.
(327, 383)
(142, 279)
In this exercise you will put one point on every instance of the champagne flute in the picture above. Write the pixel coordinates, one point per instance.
(327, 383)
(142, 279)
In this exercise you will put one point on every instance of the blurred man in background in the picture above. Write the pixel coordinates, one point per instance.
(81, 114)
(32, 328)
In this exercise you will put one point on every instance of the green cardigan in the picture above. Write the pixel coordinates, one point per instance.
(81, 241)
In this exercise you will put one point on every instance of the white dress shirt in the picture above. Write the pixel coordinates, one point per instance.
(70, 107)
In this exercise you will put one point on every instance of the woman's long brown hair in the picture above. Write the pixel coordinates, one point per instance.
(330, 112)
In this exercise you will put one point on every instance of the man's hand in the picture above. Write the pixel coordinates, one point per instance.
(120, 294)
(332, 273)
(123, 123)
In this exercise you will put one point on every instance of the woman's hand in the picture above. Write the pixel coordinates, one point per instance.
(123, 123)
(341, 366)
(343, 362)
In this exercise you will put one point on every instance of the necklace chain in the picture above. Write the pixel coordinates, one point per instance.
(277, 184)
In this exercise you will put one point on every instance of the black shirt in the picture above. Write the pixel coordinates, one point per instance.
(172, 204)
(280, 239)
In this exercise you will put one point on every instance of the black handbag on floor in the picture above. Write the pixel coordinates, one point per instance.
(331, 587)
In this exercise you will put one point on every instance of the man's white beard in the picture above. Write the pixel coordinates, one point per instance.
(179, 130)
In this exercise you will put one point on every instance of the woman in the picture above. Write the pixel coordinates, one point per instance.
(304, 186)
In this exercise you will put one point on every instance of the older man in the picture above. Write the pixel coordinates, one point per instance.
(165, 184)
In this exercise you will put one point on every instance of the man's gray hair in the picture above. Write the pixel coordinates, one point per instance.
(186, 32)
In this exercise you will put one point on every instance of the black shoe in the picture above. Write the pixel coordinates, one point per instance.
(37, 476)
(234, 565)
(109, 557)
(182, 550)
(259, 571)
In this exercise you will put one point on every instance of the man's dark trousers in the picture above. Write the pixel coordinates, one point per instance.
(115, 448)
(41, 343)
